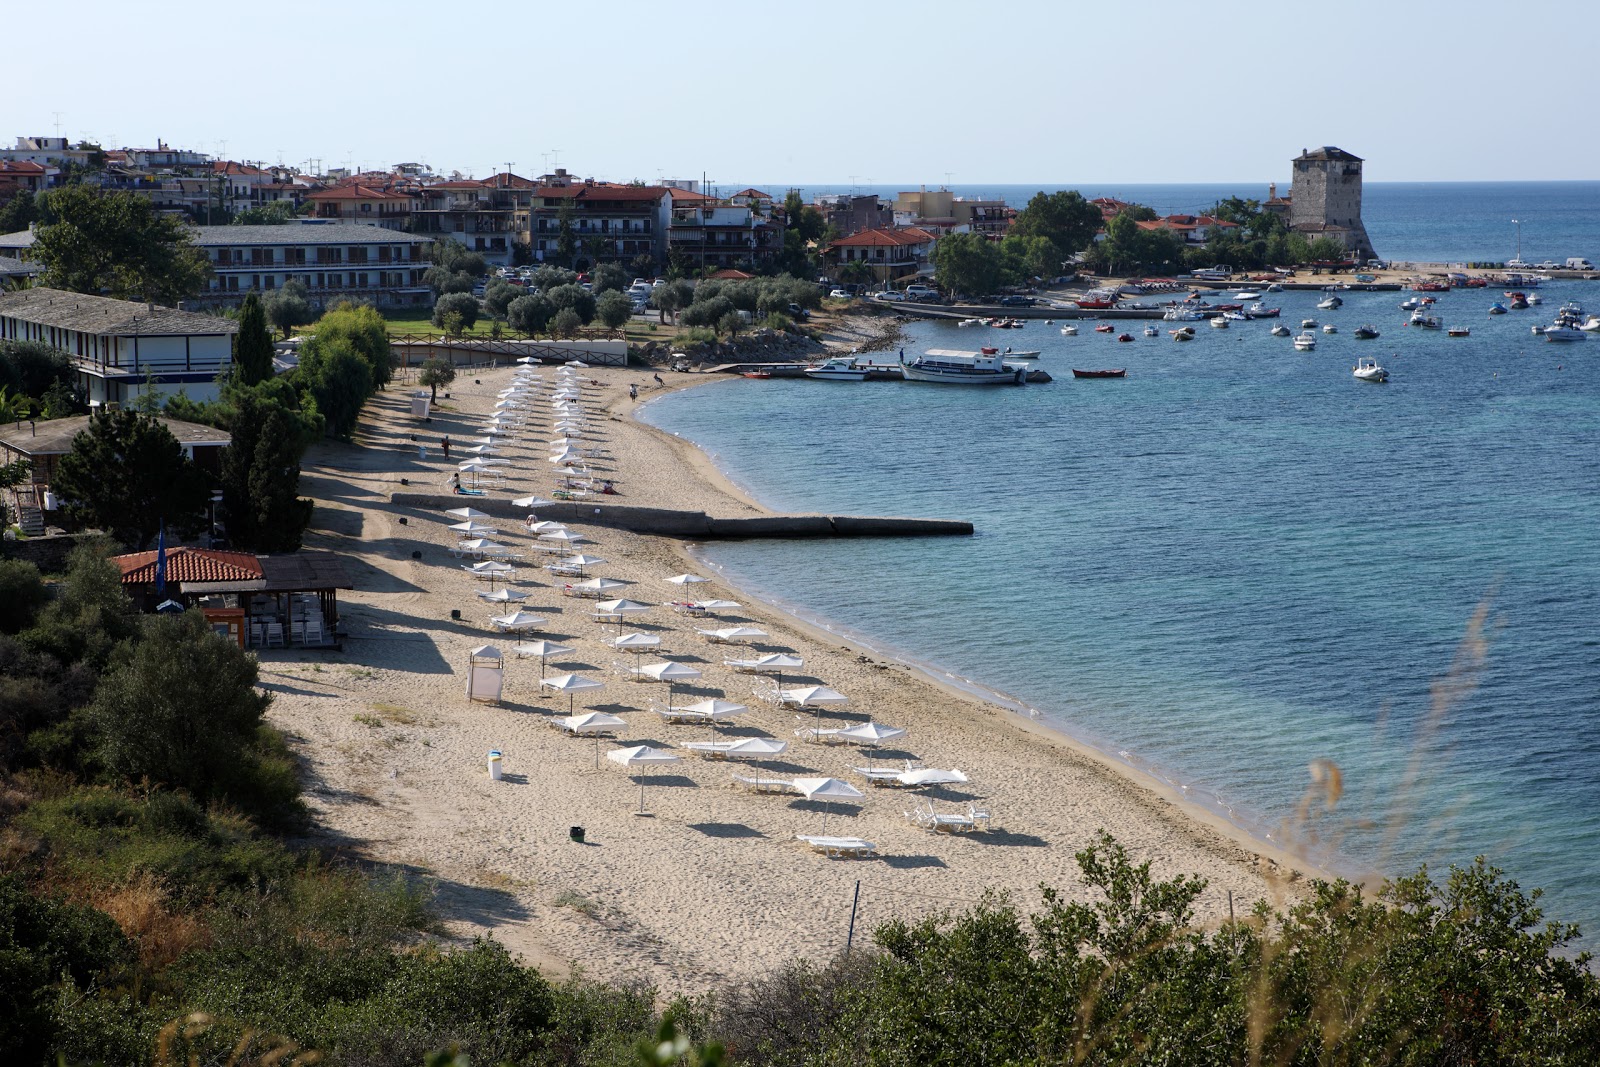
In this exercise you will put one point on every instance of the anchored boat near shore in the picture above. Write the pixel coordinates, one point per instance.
(942, 366)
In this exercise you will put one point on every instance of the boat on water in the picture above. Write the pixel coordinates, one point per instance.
(1410, 303)
(1497, 308)
(1564, 333)
(1248, 294)
(1367, 370)
(1330, 328)
(1426, 321)
(1151, 331)
(1280, 331)
(1534, 299)
(1261, 311)
(837, 369)
(1591, 324)
(941, 366)
(1120, 372)
(1105, 327)
(1018, 353)
(1185, 334)
(756, 373)
(1458, 331)
(1330, 303)
(1519, 301)
(1219, 323)
(1097, 299)
(1179, 313)
(1308, 324)
(972, 322)
(1124, 336)
(1069, 331)
(1305, 342)
(1365, 333)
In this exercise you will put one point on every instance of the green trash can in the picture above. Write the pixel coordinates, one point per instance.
(576, 833)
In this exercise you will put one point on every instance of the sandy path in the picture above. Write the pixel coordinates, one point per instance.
(711, 884)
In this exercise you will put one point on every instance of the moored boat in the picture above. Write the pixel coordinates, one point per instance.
(1330, 328)
(1365, 333)
(1330, 303)
(1497, 308)
(756, 373)
(1261, 311)
(1120, 372)
(1280, 331)
(1219, 323)
(1367, 370)
(1151, 331)
(1563, 333)
(1105, 327)
(1069, 330)
(1458, 331)
(1124, 336)
(944, 367)
(1305, 342)
(837, 369)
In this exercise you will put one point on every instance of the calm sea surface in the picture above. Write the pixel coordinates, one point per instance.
(1239, 559)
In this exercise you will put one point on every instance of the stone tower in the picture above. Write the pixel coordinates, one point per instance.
(1326, 199)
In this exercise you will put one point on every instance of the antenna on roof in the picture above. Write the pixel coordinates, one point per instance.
(57, 114)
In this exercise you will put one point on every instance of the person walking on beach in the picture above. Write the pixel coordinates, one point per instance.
(659, 382)
(633, 390)
(445, 446)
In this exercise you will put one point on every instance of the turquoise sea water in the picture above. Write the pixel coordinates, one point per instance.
(1239, 560)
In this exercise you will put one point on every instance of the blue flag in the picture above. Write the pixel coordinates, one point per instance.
(161, 559)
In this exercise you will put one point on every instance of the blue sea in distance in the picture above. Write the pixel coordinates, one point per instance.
(1240, 560)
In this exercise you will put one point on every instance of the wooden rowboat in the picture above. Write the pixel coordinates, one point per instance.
(1120, 372)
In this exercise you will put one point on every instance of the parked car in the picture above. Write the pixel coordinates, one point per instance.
(892, 295)
(798, 312)
(1017, 301)
(839, 294)
(921, 292)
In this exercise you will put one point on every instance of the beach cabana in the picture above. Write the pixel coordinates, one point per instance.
(485, 674)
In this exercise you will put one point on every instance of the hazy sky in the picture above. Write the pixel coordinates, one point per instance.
(819, 92)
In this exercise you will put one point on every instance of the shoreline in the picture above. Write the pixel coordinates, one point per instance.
(711, 886)
(1138, 774)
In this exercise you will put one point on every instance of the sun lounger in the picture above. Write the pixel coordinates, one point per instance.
(839, 847)
(766, 785)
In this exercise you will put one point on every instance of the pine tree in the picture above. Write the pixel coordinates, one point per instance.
(253, 348)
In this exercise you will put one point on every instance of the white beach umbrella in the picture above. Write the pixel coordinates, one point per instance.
(590, 722)
(565, 537)
(471, 528)
(598, 585)
(482, 463)
(546, 526)
(641, 756)
(576, 364)
(581, 560)
(543, 649)
(503, 596)
(531, 502)
(827, 790)
(714, 709)
(813, 696)
(563, 455)
(635, 642)
(527, 359)
(466, 513)
(620, 608)
(481, 544)
(730, 634)
(488, 440)
(518, 621)
(670, 671)
(569, 684)
(570, 472)
(717, 605)
(687, 579)
(490, 566)
(754, 747)
(483, 450)
(774, 663)
(871, 733)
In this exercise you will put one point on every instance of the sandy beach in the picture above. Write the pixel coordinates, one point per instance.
(711, 884)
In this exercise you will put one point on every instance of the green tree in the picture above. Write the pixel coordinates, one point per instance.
(565, 323)
(566, 239)
(606, 277)
(578, 299)
(19, 212)
(261, 477)
(856, 272)
(181, 708)
(969, 264)
(116, 243)
(253, 345)
(613, 309)
(670, 297)
(360, 328)
(22, 594)
(30, 368)
(288, 307)
(498, 296)
(1030, 257)
(126, 473)
(436, 372)
(530, 314)
(463, 304)
(339, 381)
(730, 323)
(273, 213)
(1065, 218)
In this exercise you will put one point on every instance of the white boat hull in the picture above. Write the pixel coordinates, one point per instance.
(837, 375)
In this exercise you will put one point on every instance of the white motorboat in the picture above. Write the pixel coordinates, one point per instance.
(1591, 324)
(1258, 310)
(1245, 294)
(1219, 323)
(1178, 313)
(946, 367)
(1330, 303)
(970, 322)
(1563, 333)
(1410, 303)
(837, 369)
(1426, 321)
(1305, 342)
(1151, 331)
(1367, 370)
(1330, 328)
(1534, 298)
(1274, 288)
(1236, 316)
(1069, 331)
(1308, 324)
(1280, 330)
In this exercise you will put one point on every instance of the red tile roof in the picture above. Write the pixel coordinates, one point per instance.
(605, 192)
(728, 274)
(356, 192)
(185, 564)
(21, 166)
(885, 238)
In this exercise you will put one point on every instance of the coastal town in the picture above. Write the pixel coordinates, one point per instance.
(362, 602)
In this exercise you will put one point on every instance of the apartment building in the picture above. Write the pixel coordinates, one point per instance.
(333, 260)
(490, 215)
(612, 223)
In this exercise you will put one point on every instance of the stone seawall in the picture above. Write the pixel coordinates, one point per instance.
(695, 525)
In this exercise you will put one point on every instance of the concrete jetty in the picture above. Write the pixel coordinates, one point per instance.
(694, 525)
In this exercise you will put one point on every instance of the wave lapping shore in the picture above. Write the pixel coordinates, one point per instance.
(711, 885)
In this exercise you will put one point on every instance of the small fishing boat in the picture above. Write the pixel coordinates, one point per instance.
(1305, 342)
(1410, 303)
(1185, 334)
(1308, 324)
(1280, 331)
(1330, 328)
(1124, 336)
(1105, 327)
(1219, 323)
(1458, 331)
(1069, 330)
(1365, 333)
(971, 322)
(1021, 353)
(756, 373)
(1563, 333)
(1151, 331)
(1367, 370)
(1261, 311)
(1519, 300)
(1534, 299)
(1330, 303)
(1120, 372)
(1497, 308)
(1426, 321)
(1591, 324)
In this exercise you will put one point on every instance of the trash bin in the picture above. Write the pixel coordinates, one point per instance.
(494, 765)
(576, 833)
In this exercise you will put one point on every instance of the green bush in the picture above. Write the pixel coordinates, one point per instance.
(22, 594)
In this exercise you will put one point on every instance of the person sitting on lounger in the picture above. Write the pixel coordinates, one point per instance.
(455, 483)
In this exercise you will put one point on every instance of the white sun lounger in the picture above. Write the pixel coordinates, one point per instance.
(839, 847)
